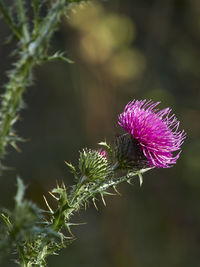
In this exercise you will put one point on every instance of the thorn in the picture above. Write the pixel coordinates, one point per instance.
(103, 143)
(48, 204)
(103, 200)
(75, 224)
(13, 134)
(93, 200)
(62, 237)
(53, 195)
(63, 185)
(69, 230)
(115, 189)
(109, 193)
(129, 182)
(13, 144)
(69, 237)
(14, 120)
(140, 178)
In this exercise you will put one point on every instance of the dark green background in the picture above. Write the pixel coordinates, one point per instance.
(73, 106)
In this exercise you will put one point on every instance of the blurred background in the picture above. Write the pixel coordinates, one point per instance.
(123, 50)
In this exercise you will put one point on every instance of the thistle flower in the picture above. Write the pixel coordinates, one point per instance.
(155, 132)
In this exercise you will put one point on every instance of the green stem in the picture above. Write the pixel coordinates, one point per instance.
(49, 23)
(12, 98)
(9, 21)
(23, 20)
(94, 190)
(35, 5)
(30, 56)
(79, 197)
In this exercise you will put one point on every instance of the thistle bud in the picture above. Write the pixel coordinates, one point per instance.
(94, 165)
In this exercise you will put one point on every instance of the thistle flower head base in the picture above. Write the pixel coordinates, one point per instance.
(128, 153)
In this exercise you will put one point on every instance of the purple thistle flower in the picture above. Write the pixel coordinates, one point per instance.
(156, 132)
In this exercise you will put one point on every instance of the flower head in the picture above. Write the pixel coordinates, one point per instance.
(156, 132)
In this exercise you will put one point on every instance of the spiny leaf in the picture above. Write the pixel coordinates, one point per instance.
(104, 144)
(5, 219)
(72, 168)
(57, 56)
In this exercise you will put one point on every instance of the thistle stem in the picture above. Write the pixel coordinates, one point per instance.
(12, 98)
(9, 20)
(82, 194)
(30, 54)
(23, 20)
